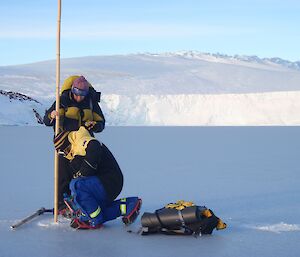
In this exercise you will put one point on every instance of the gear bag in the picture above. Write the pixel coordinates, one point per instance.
(181, 218)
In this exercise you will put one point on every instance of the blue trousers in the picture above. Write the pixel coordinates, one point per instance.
(90, 197)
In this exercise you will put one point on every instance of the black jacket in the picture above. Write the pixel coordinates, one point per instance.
(74, 114)
(100, 162)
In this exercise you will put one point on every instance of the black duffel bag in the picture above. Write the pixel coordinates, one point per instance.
(178, 219)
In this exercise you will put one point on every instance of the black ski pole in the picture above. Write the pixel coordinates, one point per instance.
(32, 216)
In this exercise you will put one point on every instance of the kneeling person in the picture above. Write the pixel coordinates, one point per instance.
(97, 181)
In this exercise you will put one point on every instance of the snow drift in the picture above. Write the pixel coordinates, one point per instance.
(279, 227)
(19, 109)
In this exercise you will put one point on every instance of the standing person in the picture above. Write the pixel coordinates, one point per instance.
(97, 181)
(79, 106)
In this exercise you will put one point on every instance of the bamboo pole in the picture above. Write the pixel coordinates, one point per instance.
(56, 174)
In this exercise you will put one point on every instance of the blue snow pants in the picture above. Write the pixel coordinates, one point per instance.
(90, 197)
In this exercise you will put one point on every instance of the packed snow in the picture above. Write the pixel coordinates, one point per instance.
(16, 110)
(182, 88)
(279, 227)
(249, 176)
(277, 108)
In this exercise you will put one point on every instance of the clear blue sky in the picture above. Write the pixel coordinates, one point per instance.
(266, 28)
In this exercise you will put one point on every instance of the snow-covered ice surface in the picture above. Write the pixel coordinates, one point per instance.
(249, 176)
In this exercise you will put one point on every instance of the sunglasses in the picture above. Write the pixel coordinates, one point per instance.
(79, 92)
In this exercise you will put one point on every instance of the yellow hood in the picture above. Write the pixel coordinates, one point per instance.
(79, 140)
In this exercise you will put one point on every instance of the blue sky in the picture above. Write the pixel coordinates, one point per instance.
(266, 28)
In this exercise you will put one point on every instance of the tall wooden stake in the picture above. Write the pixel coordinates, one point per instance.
(56, 174)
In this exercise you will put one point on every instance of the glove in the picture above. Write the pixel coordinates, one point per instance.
(77, 174)
(89, 124)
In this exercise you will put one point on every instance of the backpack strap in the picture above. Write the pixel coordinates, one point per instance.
(68, 83)
(91, 104)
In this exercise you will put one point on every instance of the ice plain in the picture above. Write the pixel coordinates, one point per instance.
(249, 176)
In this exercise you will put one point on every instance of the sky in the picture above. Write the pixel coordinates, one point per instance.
(266, 28)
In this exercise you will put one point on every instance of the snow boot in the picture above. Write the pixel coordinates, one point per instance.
(78, 224)
(133, 207)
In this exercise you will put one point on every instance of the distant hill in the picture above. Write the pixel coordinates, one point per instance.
(168, 73)
(199, 88)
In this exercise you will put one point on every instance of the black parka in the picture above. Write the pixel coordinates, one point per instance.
(99, 161)
(74, 114)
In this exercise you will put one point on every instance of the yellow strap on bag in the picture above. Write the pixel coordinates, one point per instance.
(179, 205)
(206, 213)
(221, 225)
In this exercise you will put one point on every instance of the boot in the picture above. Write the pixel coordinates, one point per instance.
(77, 224)
(132, 211)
